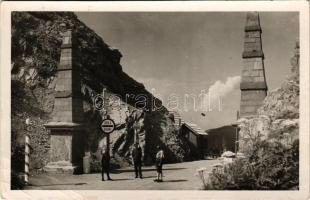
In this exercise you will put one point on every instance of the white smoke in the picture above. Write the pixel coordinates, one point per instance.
(218, 90)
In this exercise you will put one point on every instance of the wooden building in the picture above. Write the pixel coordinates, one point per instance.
(222, 139)
(196, 138)
(212, 142)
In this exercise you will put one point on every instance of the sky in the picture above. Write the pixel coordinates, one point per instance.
(178, 54)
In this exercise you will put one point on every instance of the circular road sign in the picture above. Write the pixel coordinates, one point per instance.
(108, 126)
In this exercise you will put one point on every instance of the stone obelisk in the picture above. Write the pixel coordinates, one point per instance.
(66, 126)
(253, 82)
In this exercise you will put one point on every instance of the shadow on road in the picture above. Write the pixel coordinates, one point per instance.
(117, 171)
(172, 181)
(121, 179)
(59, 184)
(149, 176)
(126, 179)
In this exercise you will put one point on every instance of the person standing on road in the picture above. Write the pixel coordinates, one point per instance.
(159, 164)
(105, 164)
(137, 159)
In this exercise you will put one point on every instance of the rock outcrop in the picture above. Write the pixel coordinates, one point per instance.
(36, 42)
(269, 144)
(278, 117)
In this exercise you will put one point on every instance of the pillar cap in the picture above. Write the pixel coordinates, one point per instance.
(253, 54)
(252, 22)
(253, 85)
(64, 125)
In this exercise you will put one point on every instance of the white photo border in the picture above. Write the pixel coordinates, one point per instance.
(152, 6)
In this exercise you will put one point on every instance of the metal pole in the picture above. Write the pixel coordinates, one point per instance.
(27, 151)
(236, 141)
(108, 138)
(108, 144)
(237, 138)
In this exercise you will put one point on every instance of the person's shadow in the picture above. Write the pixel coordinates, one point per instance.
(121, 179)
(173, 181)
(149, 176)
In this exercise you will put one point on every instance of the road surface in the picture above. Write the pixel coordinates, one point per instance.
(179, 176)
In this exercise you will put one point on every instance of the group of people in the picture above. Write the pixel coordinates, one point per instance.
(136, 155)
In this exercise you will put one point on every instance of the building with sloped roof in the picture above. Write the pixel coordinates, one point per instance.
(203, 143)
(197, 139)
(222, 139)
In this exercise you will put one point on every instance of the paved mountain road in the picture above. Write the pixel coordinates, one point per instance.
(179, 176)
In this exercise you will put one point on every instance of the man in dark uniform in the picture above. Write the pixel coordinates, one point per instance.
(137, 159)
(105, 164)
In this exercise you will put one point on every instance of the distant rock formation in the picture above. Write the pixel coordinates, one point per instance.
(36, 42)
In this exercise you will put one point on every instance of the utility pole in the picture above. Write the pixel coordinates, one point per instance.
(236, 133)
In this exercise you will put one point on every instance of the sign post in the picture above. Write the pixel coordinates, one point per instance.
(108, 126)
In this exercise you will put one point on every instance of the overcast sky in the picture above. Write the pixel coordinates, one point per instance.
(184, 53)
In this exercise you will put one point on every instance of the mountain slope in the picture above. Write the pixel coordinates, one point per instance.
(36, 42)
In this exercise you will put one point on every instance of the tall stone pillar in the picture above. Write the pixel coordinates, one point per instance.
(66, 127)
(253, 83)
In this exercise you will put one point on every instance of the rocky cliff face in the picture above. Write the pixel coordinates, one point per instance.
(278, 118)
(36, 42)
